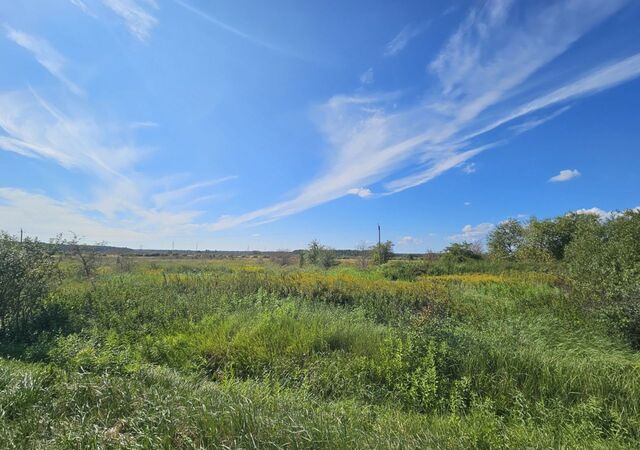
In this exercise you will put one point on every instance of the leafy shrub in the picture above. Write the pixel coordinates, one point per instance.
(462, 251)
(404, 270)
(505, 239)
(382, 252)
(27, 269)
(603, 262)
(319, 255)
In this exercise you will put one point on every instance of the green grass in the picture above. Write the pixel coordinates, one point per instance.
(198, 354)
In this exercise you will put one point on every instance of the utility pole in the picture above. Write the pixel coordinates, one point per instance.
(21, 235)
(379, 235)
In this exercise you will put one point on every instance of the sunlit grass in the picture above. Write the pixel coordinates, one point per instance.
(197, 354)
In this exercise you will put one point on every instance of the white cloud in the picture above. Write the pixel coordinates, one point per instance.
(144, 124)
(367, 76)
(473, 233)
(138, 20)
(467, 203)
(172, 196)
(45, 54)
(536, 122)
(469, 168)
(605, 215)
(83, 7)
(117, 198)
(402, 39)
(596, 211)
(37, 129)
(44, 217)
(490, 58)
(565, 175)
(407, 241)
(360, 192)
(239, 33)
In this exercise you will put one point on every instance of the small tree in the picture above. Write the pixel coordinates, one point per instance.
(382, 252)
(313, 252)
(327, 258)
(603, 260)
(505, 239)
(363, 255)
(87, 255)
(463, 251)
(320, 255)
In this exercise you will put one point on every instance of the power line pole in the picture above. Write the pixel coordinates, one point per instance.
(21, 235)
(379, 234)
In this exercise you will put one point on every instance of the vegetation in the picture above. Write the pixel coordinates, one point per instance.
(382, 252)
(534, 345)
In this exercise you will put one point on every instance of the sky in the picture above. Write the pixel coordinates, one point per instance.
(263, 125)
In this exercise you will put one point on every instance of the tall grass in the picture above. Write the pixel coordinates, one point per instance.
(175, 354)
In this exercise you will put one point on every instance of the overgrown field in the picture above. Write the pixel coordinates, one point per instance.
(194, 354)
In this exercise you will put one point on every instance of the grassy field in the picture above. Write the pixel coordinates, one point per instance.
(243, 354)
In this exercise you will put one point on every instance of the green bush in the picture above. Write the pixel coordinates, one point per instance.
(603, 262)
(27, 270)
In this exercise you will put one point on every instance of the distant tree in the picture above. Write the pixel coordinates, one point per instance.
(27, 270)
(363, 254)
(552, 236)
(320, 255)
(505, 239)
(463, 251)
(87, 255)
(313, 252)
(382, 252)
(327, 258)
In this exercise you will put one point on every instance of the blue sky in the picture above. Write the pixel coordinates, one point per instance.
(263, 125)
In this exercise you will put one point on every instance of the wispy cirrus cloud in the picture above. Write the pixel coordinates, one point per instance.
(238, 32)
(83, 7)
(180, 194)
(367, 76)
(35, 128)
(47, 56)
(139, 20)
(489, 59)
(536, 122)
(403, 38)
(119, 202)
(361, 192)
(565, 175)
(21, 209)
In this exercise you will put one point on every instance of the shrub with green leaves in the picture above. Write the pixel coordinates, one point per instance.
(603, 261)
(27, 269)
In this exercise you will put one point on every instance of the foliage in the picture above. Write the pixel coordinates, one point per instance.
(505, 239)
(27, 270)
(603, 262)
(382, 252)
(451, 352)
(87, 256)
(461, 251)
(320, 255)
